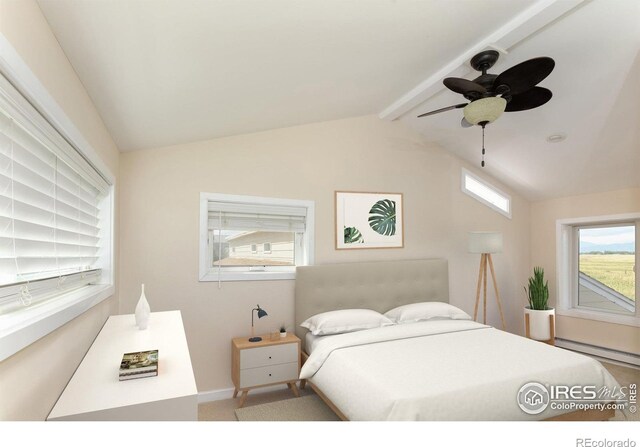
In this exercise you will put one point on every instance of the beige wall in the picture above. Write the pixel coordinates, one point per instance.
(159, 221)
(543, 252)
(32, 379)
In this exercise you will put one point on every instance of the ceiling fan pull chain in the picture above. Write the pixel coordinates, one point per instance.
(482, 164)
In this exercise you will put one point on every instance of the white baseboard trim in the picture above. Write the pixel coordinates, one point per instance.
(597, 351)
(227, 393)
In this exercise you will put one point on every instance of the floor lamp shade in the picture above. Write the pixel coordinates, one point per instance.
(485, 242)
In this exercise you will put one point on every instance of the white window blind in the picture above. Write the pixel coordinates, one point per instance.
(251, 217)
(49, 217)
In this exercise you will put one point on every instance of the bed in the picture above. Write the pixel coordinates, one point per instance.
(432, 370)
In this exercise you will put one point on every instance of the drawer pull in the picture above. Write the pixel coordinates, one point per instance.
(269, 375)
(269, 357)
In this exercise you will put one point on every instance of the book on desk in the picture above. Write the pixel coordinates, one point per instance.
(136, 365)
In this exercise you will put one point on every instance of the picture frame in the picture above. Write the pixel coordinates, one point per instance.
(367, 220)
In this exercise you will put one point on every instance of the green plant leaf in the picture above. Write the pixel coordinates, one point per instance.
(538, 290)
(382, 217)
(352, 236)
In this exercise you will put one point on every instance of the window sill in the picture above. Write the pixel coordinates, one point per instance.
(586, 314)
(20, 329)
(248, 276)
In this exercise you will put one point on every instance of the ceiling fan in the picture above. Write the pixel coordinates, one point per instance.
(513, 90)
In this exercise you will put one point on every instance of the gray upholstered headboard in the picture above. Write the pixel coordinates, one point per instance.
(380, 286)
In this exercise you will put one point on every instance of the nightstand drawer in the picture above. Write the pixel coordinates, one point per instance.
(269, 355)
(268, 374)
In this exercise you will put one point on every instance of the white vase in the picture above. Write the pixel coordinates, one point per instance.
(283, 334)
(540, 323)
(142, 311)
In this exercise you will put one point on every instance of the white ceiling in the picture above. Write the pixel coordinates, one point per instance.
(176, 71)
(168, 72)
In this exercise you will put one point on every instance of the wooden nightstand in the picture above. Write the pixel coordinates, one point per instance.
(267, 362)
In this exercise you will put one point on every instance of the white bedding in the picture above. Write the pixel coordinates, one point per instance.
(441, 370)
(311, 340)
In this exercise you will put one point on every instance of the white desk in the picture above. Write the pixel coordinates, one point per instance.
(94, 393)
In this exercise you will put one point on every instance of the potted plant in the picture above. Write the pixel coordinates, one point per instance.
(539, 313)
(283, 331)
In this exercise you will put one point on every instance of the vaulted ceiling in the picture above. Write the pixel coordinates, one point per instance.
(163, 73)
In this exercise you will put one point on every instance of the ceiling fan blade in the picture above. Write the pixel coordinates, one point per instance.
(465, 123)
(530, 99)
(525, 75)
(444, 109)
(463, 86)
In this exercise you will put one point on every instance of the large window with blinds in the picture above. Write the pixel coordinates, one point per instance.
(253, 238)
(55, 225)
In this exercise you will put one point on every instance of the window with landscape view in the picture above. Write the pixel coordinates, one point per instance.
(606, 268)
(596, 270)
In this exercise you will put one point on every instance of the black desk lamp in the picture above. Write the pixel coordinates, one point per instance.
(261, 313)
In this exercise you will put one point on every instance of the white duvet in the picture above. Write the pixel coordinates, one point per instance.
(441, 370)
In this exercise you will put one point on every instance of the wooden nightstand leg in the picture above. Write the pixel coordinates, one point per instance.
(303, 384)
(243, 397)
(235, 393)
(294, 388)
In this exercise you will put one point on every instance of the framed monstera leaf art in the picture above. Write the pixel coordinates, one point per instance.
(369, 220)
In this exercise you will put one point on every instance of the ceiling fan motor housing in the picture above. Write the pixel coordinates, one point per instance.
(485, 80)
(483, 61)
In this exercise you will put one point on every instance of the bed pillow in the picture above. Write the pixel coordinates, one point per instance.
(410, 313)
(346, 320)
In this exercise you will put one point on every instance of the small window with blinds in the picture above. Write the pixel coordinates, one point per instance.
(50, 217)
(250, 238)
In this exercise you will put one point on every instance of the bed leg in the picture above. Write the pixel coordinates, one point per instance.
(303, 384)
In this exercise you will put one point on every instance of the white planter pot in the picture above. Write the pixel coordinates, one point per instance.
(283, 334)
(540, 323)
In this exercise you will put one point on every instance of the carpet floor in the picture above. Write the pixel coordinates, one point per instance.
(224, 410)
(306, 408)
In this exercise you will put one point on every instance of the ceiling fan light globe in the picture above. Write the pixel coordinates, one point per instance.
(485, 110)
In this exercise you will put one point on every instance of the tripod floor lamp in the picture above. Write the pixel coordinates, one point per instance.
(485, 243)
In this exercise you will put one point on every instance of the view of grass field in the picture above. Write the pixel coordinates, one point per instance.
(613, 270)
